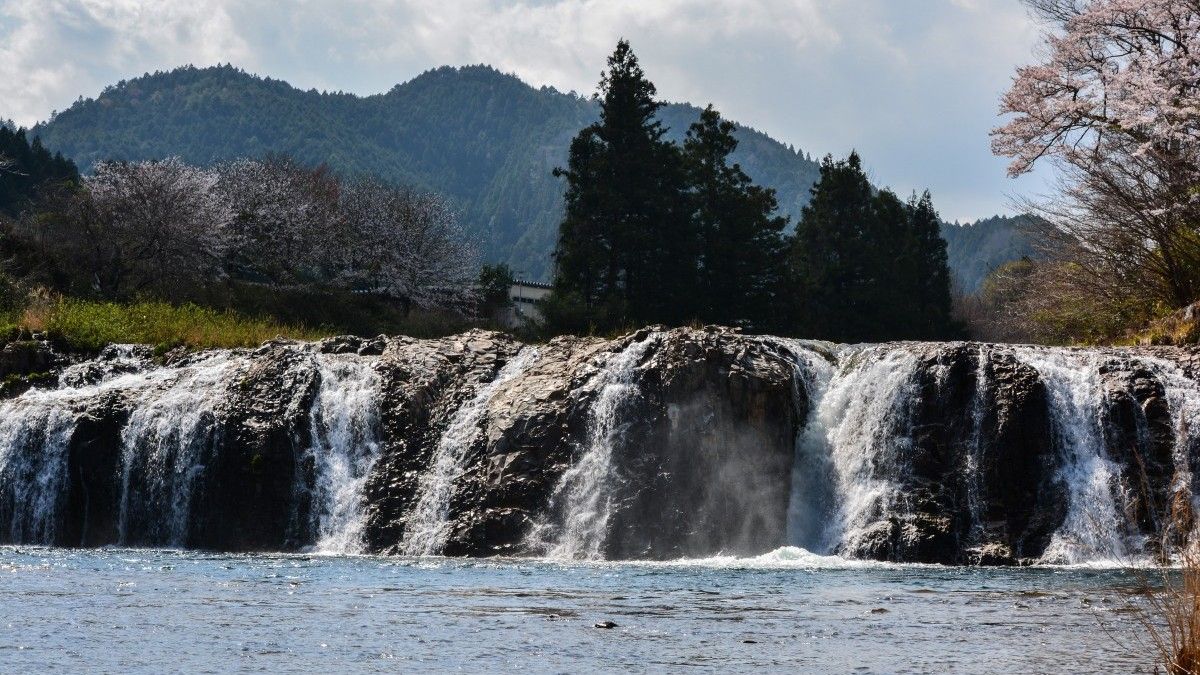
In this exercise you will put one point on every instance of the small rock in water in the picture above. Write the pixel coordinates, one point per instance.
(606, 624)
(879, 610)
(749, 642)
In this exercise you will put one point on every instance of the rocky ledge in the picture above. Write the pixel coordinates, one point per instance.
(698, 442)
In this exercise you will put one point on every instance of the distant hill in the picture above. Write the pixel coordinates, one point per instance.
(978, 248)
(483, 138)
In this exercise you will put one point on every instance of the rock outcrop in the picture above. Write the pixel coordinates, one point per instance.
(689, 438)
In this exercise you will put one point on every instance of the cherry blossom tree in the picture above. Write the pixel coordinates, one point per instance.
(282, 212)
(1114, 104)
(148, 226)
(405, 245)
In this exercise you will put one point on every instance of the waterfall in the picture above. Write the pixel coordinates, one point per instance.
(1183, 399)
(164, 443)
(977, 445)
(1095, 525)
(581, 503)
(35, 432)
(812, 500)
(428, 524)
(902, 451)
(866, 415)
(344, 431)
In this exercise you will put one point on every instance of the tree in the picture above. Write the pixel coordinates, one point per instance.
(495, 284)
(832, 270)
(932, 315)
(143, 227)
(282, 212)
(626, 249)
(866, 266)
(403, 245)
(740, 237)
(27, 169)
(1113, 105)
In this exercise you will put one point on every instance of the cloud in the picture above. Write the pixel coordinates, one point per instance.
(912, 85)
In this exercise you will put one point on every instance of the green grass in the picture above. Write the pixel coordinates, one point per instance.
(88, 326)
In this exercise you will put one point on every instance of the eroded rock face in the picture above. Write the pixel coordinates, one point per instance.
(424, 383)
(699, 433)
(709, 468)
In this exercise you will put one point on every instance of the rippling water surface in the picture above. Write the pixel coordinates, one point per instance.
(150, 611)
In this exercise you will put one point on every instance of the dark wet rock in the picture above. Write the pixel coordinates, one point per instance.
(707, 468)
(244, 499)
(91, 506)
(28, 363)
(424, 383)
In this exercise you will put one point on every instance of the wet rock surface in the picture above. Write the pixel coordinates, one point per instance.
(699, 458)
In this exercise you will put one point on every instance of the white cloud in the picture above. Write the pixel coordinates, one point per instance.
(913, 85)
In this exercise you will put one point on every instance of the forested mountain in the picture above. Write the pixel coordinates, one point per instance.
(485, 139)
(975, 249)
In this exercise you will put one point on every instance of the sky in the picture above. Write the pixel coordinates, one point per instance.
(913, 85)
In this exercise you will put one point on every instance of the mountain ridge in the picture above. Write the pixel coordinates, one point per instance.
(484, 138)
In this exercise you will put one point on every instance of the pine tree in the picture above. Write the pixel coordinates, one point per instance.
(741, 245)
(931, 291)
(866, 266)
(626, 250)
(832, 280)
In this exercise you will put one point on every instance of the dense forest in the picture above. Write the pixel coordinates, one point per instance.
(483, 139)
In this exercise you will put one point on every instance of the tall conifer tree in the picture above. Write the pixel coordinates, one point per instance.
(741, 245)
(865, 266)
(626, 247)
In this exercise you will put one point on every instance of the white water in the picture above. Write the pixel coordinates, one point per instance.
(865, 414)
(164, 444)
(974, 467)
(582, 500)
(812, 500)
(428, 523)
(1095, 525)
(34, 437)
(344, 430)
(1183, 398)
(848, 469)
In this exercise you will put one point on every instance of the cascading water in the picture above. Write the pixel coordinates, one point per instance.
(170, 429)
(34, 435)
(905, 451)
(344, 446)
(865, 413)
(1183, 399)
(812, 500)
(429, 522)
(977, 445)
(1096, 524)
(582, 501)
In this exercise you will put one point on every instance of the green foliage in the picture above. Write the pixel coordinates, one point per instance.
(627, 244)
(89, 326)
(740, 243)
(26, 168)
(865, 266)
(495, 283)
(482, 138)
